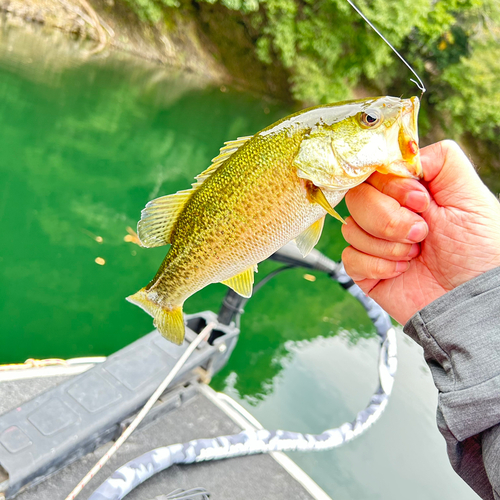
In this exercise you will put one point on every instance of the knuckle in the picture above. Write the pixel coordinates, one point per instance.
(392, 226)
(351, 266)
(346, 257)
(395, 250)
(449, 149)
(377, 180)
(379, 268)
(449, 144)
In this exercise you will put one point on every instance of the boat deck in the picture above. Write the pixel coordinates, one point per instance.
(199, 416)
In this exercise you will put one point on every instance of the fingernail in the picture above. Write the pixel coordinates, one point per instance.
(417, 200)
(417, 232)
(414, 250)
(401, 267)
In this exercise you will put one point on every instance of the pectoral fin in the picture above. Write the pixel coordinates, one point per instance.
(242, 283)
(317, 196)
(307, 240)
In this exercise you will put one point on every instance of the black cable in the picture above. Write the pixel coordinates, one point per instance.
(233, 303)
(269, 277)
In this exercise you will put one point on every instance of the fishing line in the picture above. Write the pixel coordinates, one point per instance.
(420, 85)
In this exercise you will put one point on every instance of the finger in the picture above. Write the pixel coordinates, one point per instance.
(445, 155)
(451, 177)
(360, 266)
(377, 247)
(409, 193)
(383, 217)
(452, 180)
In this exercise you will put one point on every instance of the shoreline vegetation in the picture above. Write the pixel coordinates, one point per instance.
(288, 50)
(116, 27)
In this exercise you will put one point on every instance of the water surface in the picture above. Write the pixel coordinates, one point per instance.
(85, 143)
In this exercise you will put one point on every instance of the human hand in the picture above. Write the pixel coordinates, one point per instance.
(403, 260)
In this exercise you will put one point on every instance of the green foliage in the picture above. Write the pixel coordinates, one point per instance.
(147, 10)
(461, 50)
(443, 17)
(151, 11)
(475, 92)
(328, 51)
(242, 5)
(325, 46)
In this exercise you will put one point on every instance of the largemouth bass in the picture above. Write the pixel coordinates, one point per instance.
(265, 190)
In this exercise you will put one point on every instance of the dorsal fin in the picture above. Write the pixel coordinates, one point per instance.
(225, 152)
(159, 216)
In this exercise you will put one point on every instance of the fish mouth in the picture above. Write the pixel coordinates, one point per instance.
(406, 159)
(408, 137)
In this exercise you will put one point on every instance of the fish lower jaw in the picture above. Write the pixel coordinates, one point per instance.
(402, 168)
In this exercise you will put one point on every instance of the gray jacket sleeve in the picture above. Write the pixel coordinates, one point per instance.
(460, 335)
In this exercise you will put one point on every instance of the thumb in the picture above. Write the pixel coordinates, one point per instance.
(450, 176)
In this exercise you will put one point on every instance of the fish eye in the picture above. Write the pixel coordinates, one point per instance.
(370, 118)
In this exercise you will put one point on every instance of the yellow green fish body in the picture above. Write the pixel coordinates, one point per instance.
(263, 191)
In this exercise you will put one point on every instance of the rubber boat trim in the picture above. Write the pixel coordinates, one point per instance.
(246, 421)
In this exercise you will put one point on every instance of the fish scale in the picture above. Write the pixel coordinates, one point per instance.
(233, 235)
(263, 191)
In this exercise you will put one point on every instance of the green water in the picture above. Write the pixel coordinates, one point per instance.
(84, 145)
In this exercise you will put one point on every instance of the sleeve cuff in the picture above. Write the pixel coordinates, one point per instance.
(460, 335)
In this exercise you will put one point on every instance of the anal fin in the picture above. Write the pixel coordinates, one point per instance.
(242, 283)
(307, 240)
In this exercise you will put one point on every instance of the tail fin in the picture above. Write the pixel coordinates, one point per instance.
(170, 322)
